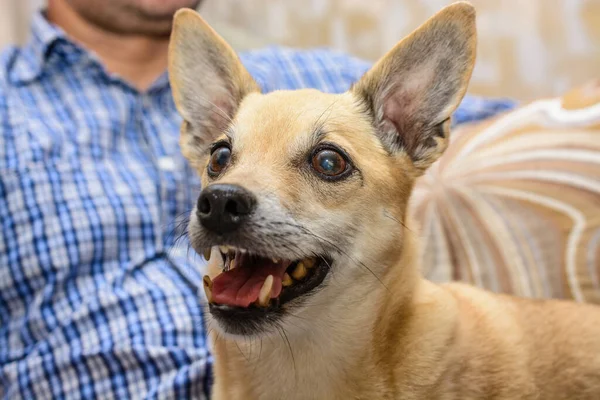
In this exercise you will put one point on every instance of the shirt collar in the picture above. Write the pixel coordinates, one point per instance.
(34, 55)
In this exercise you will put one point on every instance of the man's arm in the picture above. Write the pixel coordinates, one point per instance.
(280, 68)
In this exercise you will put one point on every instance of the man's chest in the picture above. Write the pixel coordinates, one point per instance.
(98, 169)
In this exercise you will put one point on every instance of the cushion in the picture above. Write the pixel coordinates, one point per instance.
(513, 206)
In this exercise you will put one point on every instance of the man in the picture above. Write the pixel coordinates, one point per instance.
(95, 302)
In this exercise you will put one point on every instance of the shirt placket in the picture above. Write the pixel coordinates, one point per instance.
(175, 197)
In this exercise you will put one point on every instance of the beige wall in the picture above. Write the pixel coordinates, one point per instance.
(527, 48)
(14, 20)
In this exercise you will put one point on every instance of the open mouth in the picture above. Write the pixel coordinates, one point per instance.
(251, 286)
(250, 280)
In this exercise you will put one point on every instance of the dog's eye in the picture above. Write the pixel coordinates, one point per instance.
(219, 159)
(329, 163)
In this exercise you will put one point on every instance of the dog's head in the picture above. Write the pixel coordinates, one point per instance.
(304, 193)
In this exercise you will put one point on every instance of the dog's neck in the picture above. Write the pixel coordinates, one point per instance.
(328, 348)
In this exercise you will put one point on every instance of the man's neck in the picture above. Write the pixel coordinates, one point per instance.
(140, 60)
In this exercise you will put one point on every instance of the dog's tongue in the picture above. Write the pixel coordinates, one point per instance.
(240, 286)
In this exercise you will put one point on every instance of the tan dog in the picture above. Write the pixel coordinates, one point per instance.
(318, 295)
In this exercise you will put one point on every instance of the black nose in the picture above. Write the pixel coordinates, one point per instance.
(222, 208)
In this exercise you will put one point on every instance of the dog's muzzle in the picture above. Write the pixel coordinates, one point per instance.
(223, 208)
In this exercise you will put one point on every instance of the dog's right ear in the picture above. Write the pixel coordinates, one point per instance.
(413, 90)
(207, 79)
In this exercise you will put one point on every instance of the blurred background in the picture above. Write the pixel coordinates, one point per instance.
(527, 48)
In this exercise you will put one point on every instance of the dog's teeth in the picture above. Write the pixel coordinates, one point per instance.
(227, 262)
(275, 260)
(224, 249)
(309, 262)
(287, 280)
(206, 253)
(207, 288)
(264, 296)
(243, 251)
(215, 256)
(229, 258)
(300, 271)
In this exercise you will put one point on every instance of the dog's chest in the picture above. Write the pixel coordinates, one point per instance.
(279, 376)
(279, 382)
(273, 389)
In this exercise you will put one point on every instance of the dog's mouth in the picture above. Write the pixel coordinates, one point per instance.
(251, 290)
(250, 280)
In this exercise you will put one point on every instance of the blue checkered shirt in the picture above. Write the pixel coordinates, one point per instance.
(95, 299)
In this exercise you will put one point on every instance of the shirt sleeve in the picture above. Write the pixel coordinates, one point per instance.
(281, 68)
(4, 130)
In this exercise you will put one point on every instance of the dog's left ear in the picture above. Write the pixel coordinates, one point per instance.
(414, 89)
(207, 79)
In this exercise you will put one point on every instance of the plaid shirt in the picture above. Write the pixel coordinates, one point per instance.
(95, 301)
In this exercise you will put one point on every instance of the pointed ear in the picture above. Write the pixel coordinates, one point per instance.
(414, 89)
(207, 79)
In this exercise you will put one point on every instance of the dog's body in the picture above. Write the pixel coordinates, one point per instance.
(436, 342)
(321, 297)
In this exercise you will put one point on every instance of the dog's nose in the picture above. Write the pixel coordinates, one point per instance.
(222, 208)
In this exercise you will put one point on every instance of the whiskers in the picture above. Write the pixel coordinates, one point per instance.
(286, 340)
(179, 228)
(336, 248)
(178, 242)
(396, 220)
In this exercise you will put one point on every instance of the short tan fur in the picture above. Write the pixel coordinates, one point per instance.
(376, 329)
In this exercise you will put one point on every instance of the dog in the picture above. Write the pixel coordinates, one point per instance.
(313, 285)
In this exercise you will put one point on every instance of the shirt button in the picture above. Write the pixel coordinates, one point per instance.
(146, 102)
(166, 164)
